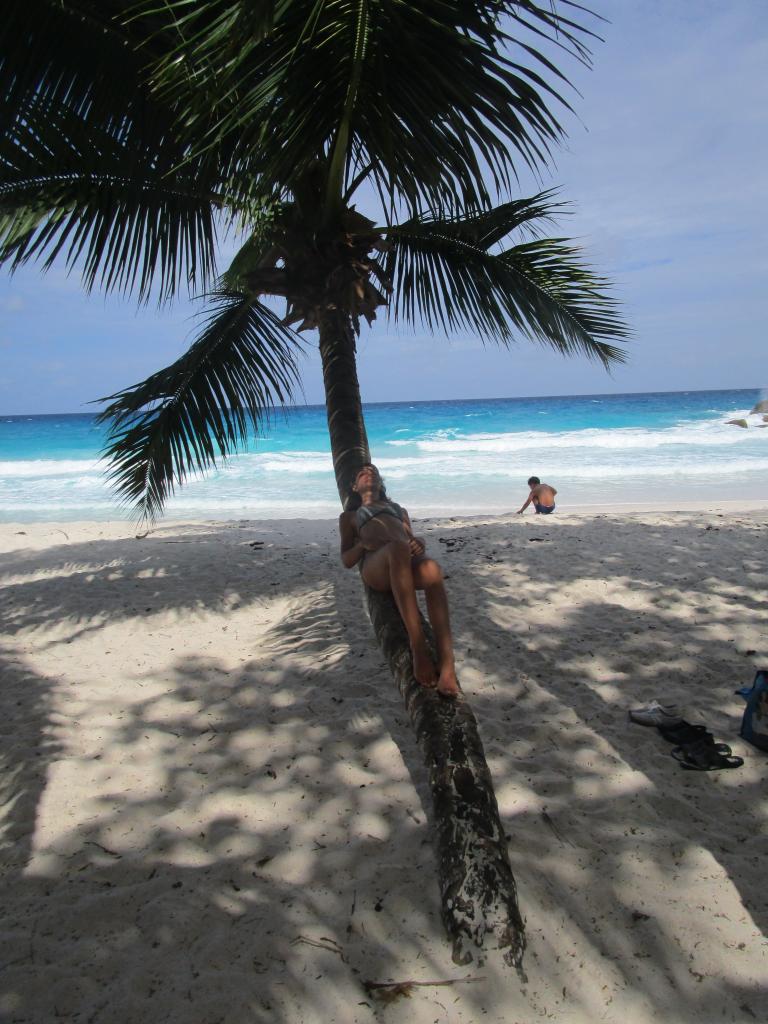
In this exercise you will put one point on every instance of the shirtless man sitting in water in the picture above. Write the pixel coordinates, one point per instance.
(378, 532)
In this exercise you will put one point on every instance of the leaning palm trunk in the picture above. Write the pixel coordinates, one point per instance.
(346, 426)
(477, 887)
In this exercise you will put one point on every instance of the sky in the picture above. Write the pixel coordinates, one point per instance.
(666, 167)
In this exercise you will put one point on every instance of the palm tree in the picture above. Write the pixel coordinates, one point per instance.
(134, 131)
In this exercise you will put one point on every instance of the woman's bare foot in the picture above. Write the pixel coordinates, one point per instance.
(423, 666)
(448, 684)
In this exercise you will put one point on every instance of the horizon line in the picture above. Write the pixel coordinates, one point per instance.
(433, 401)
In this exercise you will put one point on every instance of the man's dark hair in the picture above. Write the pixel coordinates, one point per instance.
(533, 481)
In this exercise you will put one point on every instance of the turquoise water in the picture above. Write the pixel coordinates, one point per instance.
(438, 458)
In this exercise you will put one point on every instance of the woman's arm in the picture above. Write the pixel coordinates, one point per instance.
(352, 549)
(418, 544)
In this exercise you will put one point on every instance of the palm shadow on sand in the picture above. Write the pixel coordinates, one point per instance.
(187, 886)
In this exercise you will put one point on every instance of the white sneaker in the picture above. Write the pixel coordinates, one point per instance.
(656, 714)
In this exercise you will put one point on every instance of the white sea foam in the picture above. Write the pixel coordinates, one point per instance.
(308, 463)
(48, 467)
(258, 506)
(708, 434)
(651, 470)
(431, 463)
(432, 469)
(302, 463)
(53, 508)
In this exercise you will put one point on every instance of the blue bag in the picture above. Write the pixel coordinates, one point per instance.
(754, 724)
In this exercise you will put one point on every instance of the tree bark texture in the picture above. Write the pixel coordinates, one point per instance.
(346, 426)
(477, 887)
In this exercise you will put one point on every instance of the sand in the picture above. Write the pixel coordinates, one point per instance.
(214, 809)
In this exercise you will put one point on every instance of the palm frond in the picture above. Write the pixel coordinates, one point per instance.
(528, 216)
(85, 142)
(439, 98)
(76, 52)
(186, 416)
(104, 201)
(259, 249)
(446, 278)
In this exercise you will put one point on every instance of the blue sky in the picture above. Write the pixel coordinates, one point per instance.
(667, 167)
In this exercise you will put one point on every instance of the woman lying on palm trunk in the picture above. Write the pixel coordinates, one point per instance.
(378, 532)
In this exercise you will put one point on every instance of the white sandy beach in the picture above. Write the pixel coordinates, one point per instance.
(214, 809)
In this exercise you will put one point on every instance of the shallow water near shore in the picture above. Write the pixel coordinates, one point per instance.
(466, 457)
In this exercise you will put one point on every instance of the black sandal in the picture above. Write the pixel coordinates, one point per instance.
(704, 755)
(683, 732)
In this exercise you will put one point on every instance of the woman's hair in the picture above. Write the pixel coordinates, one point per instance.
(353, 500)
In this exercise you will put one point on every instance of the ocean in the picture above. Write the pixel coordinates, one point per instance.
(437, 458)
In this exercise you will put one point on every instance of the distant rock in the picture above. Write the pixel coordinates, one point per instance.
(760, 407)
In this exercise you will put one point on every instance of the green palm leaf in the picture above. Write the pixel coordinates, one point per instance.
(72, 51)
(446, 278)
(105, 201)
(429, 93)
(198, 409)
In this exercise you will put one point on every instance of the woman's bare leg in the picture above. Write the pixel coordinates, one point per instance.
(429, 578)
(389, 568)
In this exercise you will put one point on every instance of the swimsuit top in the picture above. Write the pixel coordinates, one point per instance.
(368, 512)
